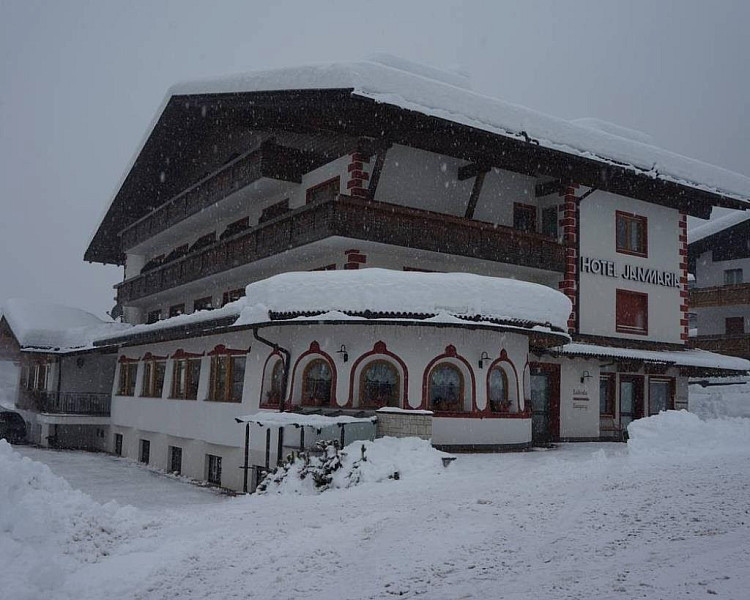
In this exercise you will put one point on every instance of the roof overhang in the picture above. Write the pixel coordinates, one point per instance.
(190, 123)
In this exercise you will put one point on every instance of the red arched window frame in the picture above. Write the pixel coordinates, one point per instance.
(450, 352)
(297, 381)
(380, 349)
(509, 415)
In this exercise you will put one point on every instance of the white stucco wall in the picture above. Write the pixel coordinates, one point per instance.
(709, 273)
(598, 292)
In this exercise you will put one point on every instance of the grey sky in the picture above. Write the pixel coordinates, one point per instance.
(80, 82)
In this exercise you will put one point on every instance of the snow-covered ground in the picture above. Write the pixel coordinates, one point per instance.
(582, 521)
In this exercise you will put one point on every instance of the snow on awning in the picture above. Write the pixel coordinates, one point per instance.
(284, 419)
(397, 294)
(680, 358)
(425, 90)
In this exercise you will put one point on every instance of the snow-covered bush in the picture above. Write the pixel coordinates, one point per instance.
(328, 467)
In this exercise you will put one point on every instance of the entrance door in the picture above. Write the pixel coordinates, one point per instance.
(545, 403)
(631, 400)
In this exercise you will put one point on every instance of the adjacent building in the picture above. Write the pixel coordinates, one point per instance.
(719, 257)
(299, 181)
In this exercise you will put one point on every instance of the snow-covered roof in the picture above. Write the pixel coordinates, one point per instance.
(440, 298)
(283, 419)
(53, 327)
(701, 232)
(445, 95)
(682, 358)
(384, 291)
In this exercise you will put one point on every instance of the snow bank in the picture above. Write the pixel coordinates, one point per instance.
(408, 292)
(361, 462)
(47, 528)
(680, 433)
(716, 401)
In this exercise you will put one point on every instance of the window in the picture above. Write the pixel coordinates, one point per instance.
(175, 460)
(176, 310)
(185, 378)
(328, 190)
(734, 325)
(153, 316)
(732, 276)
(631, 312)
(213, 468)
(275, 210)
(39, 377)
(145, 453)
(232, 295)
(498, 391)
(379, 385)
(446, 388)
(316, 383)
(631, 234)
(524, 217)
(227, 377)
(128, 372)
(607, 395)
(275, 386)
(118, 444)
(153, 377)
(549, 221)
(24, 376)
(202, 304)
(659, 395)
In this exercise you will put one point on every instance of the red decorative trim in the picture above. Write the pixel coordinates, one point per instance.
(314, 349)
(180, 354)
(683, 248)
(354, 258)
(222, 349)
(568, 225)
(261, 403)
(127, 359)
(358, 177)
(503, 358)
(379, 348)
(450, 352)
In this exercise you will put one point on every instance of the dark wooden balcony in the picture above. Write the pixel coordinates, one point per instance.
(359, 219)
(722, 295)
(269, 160)
(730, 344)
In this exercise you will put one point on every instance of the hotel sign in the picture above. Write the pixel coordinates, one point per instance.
(608, 268)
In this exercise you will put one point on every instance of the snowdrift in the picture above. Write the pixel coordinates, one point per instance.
(716, 401)
(360, 462)
(47, 528)
(680, 433)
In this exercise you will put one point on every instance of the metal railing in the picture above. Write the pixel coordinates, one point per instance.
(75, 403)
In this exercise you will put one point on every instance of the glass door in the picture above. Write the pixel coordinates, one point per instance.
(545, 403)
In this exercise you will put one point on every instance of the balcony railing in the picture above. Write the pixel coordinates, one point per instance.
(74, 403)
(269, 160)
(722, 295)
(731, 345)
(360, 219)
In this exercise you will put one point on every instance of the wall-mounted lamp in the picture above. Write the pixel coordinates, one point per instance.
(584, 376)
(482, 357)
(343, 352)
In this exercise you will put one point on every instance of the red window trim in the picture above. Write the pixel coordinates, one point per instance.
(127, 359)
(379, 348)
(314, 349)
(149, 356)
(626, 328)
(633, 217)
(181, 354)
(262, 403)
(222, 349)
(450, 352)
(487, 410)
(309, 191)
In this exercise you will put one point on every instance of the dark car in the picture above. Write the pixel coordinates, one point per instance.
(12, 427)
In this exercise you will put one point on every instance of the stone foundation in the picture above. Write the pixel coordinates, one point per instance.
(405, 424)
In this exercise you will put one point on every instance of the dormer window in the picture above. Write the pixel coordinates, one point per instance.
(631, 234)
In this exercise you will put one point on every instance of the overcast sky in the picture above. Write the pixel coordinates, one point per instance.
(80, 82)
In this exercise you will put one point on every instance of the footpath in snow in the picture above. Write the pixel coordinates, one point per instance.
(665, 516)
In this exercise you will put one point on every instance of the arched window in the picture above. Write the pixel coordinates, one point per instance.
(316, 383)
(276, 383)
(446, 388)
(498, 392)
(379, 385)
